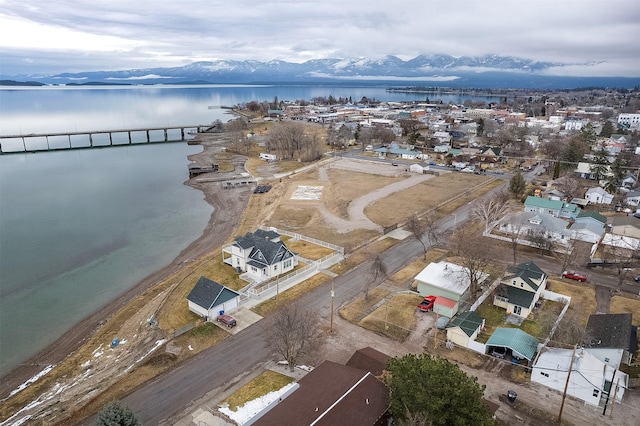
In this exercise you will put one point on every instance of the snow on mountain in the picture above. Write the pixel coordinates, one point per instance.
(426, 67)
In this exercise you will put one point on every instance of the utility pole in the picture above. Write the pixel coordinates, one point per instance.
(615, 394)
(566, 384)
(333, 294)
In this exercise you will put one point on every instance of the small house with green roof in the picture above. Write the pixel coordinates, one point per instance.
(520, 289)
(520, 344)
(464, 327)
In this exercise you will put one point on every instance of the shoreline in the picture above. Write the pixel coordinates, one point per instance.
(217, 231)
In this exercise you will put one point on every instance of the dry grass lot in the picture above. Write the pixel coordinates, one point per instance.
(395, 319)
(266, 382)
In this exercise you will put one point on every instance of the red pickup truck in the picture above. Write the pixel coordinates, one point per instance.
(427, 304)
(573, 275)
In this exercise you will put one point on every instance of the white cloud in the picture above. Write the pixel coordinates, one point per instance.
(83, 35)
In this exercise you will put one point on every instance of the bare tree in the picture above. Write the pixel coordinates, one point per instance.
(514, 231)
(541, 240)
(489, 210)
(570, 330)
(620, 253)
(417, 227)
(475, 254)
(294, 141)
(294, 334)
(378, 273)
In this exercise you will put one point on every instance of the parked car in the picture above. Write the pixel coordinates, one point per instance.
(637, 278)
(394, 164)
(499, 172)
(427, 304)
(573, 275)
(227, 320)
(499, 352)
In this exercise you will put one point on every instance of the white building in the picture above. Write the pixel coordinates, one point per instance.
(631, 121)
(597, 195)
(591, 380)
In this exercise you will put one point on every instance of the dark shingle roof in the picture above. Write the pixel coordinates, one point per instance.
(528, 271)
(207, 293)
(611, 331)
(369, 359)
(517, 296)
(468, 322)
(332, 394)
(266, 251)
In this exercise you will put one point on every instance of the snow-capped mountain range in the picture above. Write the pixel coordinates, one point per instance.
(484, 71)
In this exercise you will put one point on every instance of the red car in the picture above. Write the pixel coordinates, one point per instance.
(427, 304)
(573, 275)
(227, 320)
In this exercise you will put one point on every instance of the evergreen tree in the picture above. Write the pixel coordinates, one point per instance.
(425, 386)
(480, 126)
(607, 130)
(556, 170)
(517, 185)
(116, 414)
(615, 178)
(588, 135)
(573, 153)
(600, 164)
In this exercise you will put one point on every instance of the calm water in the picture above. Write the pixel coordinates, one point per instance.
(77, 228)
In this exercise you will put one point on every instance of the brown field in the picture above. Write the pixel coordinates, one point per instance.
(583, 298)
(627, 305)
(395, 318)
(347, 186)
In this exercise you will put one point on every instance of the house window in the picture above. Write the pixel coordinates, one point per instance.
(254, 269)
(287, 263)
(275, 267)
(544, 374)
(517, 310)
(521, 285)
(514, 282)
(606, 360)
(596, 392)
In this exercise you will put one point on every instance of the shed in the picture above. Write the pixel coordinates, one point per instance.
(522, 345)
(464, 327)
(208, 298)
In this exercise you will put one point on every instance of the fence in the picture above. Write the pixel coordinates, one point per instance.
(304, 238)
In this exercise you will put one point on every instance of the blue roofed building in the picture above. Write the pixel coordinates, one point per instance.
(208, 298)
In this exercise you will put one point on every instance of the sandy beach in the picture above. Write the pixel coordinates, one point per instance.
(228, 209)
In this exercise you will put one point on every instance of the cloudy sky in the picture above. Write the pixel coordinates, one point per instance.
(40, 37)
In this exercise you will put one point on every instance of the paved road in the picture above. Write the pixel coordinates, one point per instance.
(219, 367)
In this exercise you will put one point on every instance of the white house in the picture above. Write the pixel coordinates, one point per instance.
(208, 299)
(419, 168)
(631, 121)
(597, 195)
(589, 227)
(633, 198)
(260, 254)
(591, 380)
(530, 226)
(448, 282)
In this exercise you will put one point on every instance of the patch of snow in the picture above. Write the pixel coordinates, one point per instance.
(97, 354)
(305, 368)
(85, 364)
(97, 349)
(30, 380)
(190, 348)
(122, 342)
(17, 422)
(253, 407)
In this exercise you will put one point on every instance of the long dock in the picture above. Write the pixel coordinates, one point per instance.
(37, 142)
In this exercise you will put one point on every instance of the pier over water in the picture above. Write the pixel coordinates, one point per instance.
(35, 142)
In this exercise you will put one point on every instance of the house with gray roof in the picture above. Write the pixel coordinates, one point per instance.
(632, 198)
(612, 338)
(589, 227)
(209, 298)
(261, 255)
(528, 226)
(520, 289)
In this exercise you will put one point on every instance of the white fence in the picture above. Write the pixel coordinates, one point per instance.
(304, 238)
